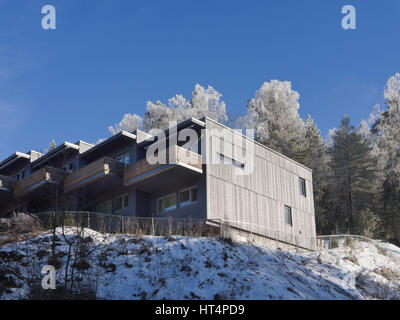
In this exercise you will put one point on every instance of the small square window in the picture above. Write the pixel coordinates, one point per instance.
(288, 215)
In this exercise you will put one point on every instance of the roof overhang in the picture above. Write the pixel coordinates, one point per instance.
(55, 152)
(17, 156)
(191, 122)
(100, 149)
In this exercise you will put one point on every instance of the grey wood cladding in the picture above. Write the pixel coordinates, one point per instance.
(259, 198)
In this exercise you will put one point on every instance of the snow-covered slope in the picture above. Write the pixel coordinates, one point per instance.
(133, 267)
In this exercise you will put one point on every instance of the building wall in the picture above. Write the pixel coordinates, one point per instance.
(195, 210)
(258, 199)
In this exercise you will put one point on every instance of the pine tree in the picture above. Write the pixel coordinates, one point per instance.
(353, 176)
(313, 153)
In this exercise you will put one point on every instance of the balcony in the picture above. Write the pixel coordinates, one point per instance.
(147, 177)
(6, 187)
(94, 173)
(37, 180)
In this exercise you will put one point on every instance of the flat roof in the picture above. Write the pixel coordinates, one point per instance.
(54, 152)
(181, 125)
(14, 157)
(113, 139)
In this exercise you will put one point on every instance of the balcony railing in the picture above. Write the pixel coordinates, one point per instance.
(7, 183)
(93, 172)
(142, 169)
(37, 180)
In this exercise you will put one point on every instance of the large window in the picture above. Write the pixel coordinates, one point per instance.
(113, 205)
(288, 215)
(166, 203)
(124, 158)
(178, 199)
(302, 183)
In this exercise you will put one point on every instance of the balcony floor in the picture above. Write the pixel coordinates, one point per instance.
(169, 179)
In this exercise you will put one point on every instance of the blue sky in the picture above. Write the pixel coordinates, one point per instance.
(107, 58)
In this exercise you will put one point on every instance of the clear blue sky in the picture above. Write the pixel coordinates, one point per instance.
(107, 58)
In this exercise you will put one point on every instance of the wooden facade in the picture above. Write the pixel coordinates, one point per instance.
(248, 189)
(142, 170)
(93, 172)
(256, 201)
(36, 180)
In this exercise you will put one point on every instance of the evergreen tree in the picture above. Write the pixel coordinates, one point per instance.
(313, 153)
(353, 176)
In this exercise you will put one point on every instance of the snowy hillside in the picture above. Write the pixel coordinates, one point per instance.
(133, 267)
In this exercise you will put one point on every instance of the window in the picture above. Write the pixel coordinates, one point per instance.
(228, 160)
(171, 202)
(302, 187)
(167, 203)
(187, 196)
(20, 175)
(69, 167)
(124, 158)
(113, 205)
(288, 215)
(104, 207)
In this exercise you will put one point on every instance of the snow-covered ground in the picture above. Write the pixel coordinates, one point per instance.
(133, 267)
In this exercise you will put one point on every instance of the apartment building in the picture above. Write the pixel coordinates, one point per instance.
(210, 172)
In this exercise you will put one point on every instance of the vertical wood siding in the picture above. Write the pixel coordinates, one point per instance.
(259, 198)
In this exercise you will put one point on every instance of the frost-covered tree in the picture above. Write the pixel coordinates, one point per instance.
(387, 133)
(157, 116)
(52, 145)
(207, 102)
(204, 102)
(130, 122)
(353, 175)
(313, 153)
(274, 114)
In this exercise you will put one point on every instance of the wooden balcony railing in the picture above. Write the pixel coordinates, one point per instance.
(37, 180)
(180, 157)
(7, 182)
(93, 172)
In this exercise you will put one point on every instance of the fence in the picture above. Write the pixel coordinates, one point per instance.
(113, 224)
(116, 224)
(340, 240)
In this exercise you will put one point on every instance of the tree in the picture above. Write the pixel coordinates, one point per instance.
(387, 134)
(204, 102)
(313, 153)
(52, 145)
(353, 175)
(273, 112)
(130, 122)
